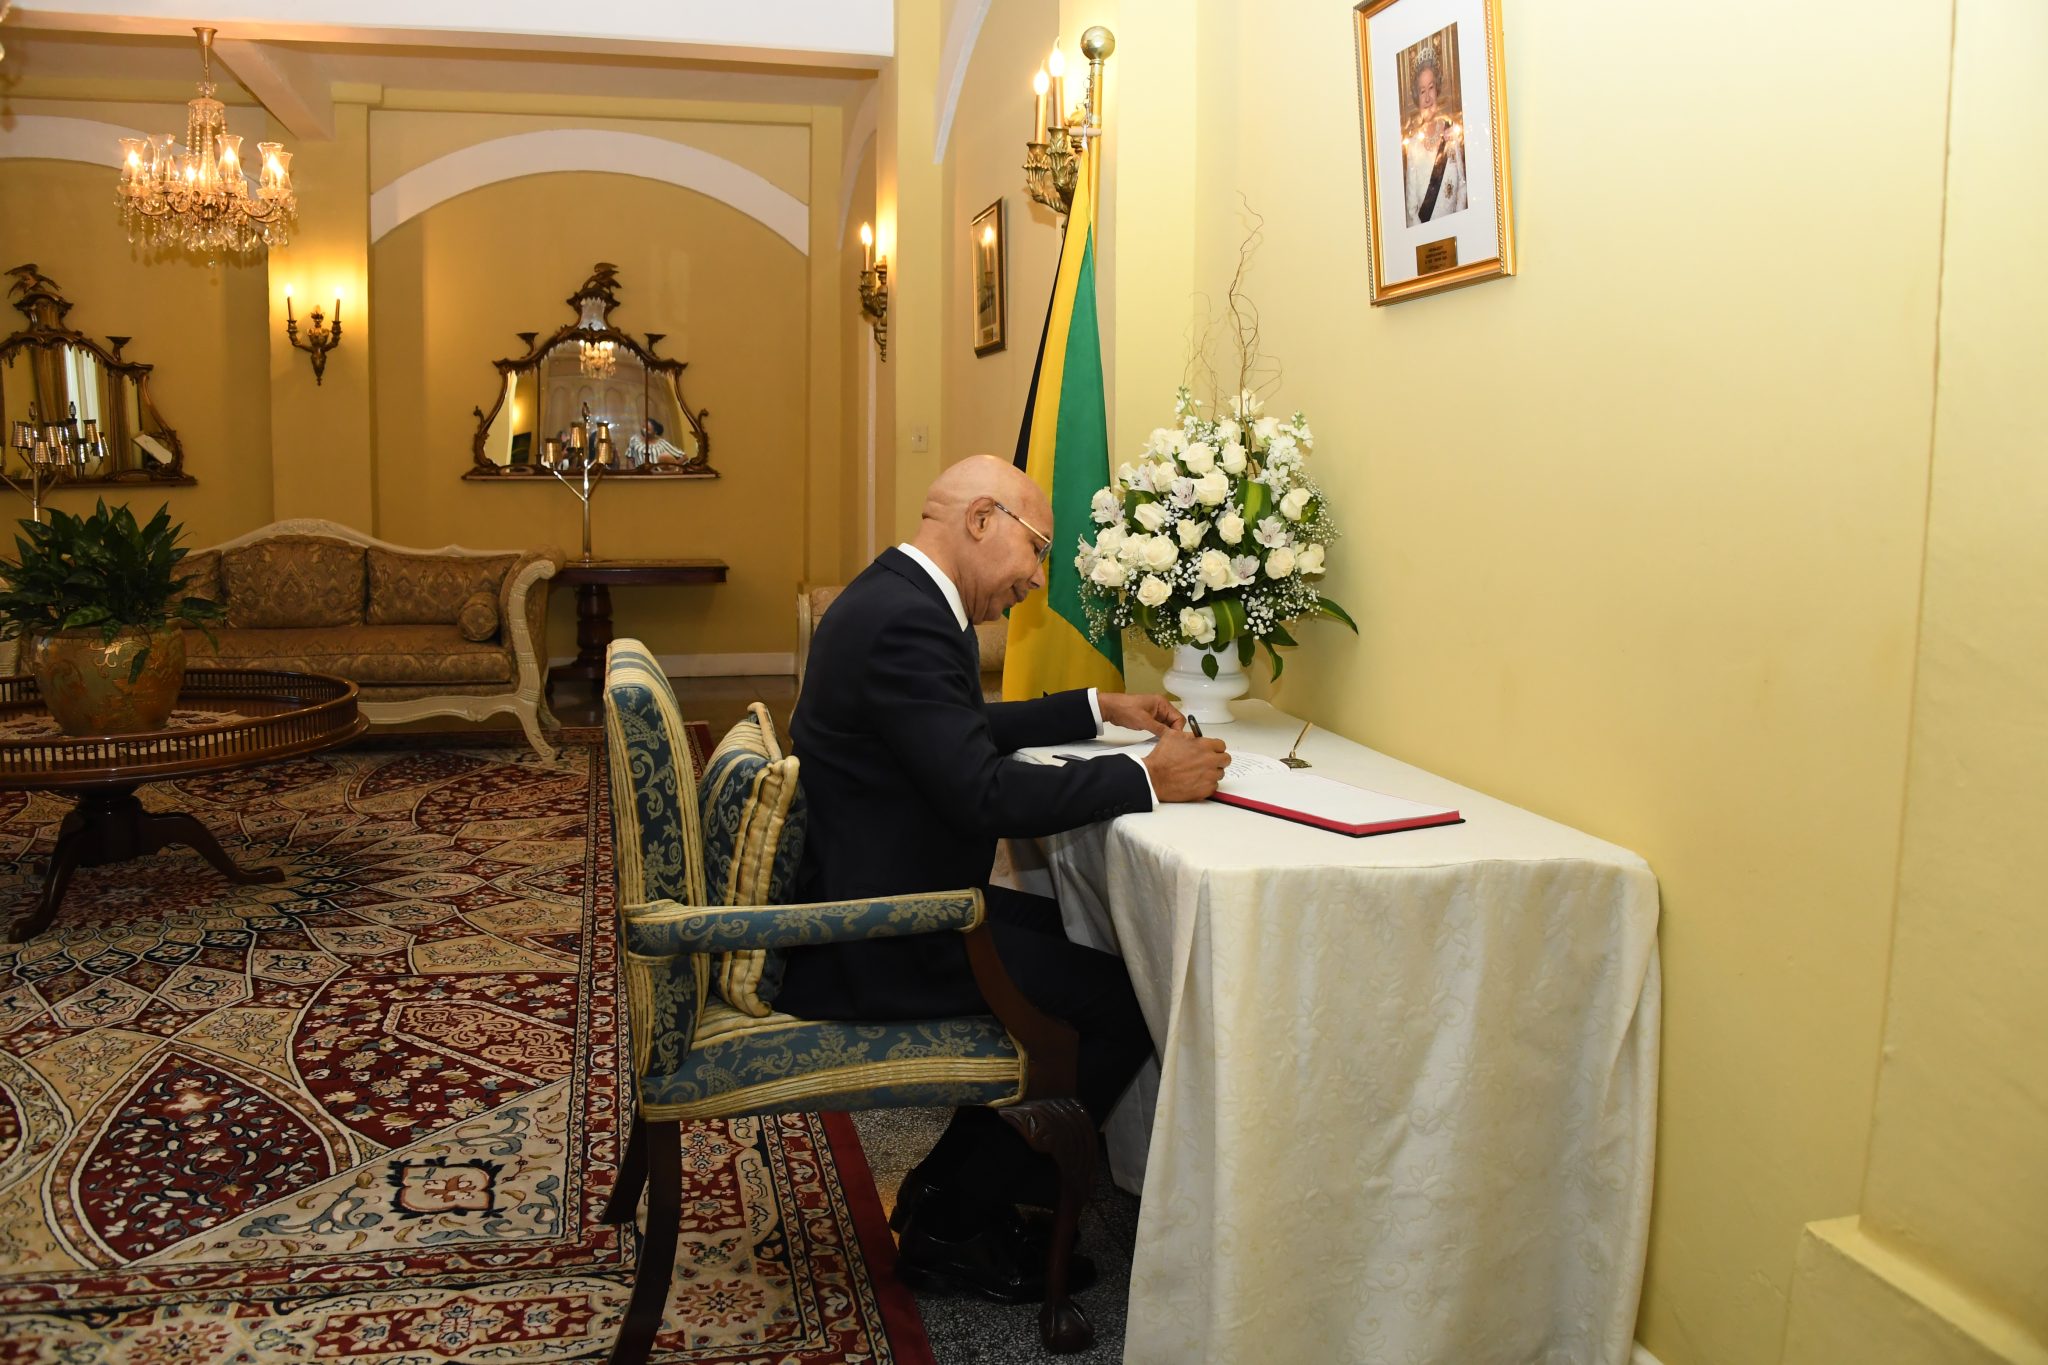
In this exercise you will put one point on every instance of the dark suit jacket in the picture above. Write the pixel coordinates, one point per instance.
(907, 781)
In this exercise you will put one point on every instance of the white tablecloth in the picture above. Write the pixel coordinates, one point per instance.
(1407, 1090)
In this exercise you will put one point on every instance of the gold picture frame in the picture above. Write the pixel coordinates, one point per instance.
(1433, 129)
(988, 285)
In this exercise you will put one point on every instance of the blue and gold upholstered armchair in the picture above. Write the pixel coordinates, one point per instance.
(700, 869)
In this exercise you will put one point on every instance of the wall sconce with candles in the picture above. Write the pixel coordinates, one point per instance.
(1059, 136)
(320, 338)
(874, 290)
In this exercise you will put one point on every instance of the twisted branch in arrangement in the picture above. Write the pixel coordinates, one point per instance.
(1254, 373)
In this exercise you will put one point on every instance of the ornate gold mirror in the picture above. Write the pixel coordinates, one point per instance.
(591, 387)
(74, 411)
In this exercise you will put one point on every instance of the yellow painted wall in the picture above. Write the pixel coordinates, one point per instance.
(1949, 1253)
(984, 395)
(862, 420)
(730, 295)
(1635, 538)
(203, 329)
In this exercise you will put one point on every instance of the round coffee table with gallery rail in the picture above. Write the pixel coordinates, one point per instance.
(225, 718)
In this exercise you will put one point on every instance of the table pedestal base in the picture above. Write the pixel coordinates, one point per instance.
(593, 636)
(110, 826)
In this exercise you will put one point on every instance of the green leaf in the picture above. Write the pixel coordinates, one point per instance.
(1208, 664)
(85, 616)
(1246, 647)
(141, 659)
(1230, 619)
(1278, 661)
(1279, 636)
(1326, 607)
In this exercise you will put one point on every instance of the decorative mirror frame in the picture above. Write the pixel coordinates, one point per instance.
(35, 296)
(599, 288)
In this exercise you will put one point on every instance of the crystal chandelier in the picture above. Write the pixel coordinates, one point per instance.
(599, 358)
(196, 197)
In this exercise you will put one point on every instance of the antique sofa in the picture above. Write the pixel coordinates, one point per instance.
(448, 632)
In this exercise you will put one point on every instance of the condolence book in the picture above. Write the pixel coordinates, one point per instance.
(1335, 806)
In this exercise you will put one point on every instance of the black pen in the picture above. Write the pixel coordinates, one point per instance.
(1194, 727)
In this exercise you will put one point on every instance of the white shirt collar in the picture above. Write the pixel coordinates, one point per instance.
(952, 593)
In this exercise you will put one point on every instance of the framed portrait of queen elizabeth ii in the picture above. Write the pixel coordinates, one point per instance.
(1432, 105)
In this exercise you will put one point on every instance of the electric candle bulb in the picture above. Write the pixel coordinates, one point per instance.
(1039, 85)
(1056, 66)
(867, 246)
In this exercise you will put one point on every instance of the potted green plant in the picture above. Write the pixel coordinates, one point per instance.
(97, 599)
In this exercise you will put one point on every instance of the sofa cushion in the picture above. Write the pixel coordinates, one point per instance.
(201, 572)
(293, 581)
(427, 590)
(753, 821)
(370, 655)
(478, 619)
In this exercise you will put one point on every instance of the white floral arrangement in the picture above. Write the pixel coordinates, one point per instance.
(1214, 538)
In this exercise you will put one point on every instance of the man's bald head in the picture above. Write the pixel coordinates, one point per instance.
(983, 523)
(984, 476)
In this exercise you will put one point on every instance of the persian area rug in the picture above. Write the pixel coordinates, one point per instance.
(372, 1113)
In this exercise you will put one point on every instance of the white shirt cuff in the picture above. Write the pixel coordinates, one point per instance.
(1095, 707)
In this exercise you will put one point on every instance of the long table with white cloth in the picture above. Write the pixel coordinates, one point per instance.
(1405, 1102)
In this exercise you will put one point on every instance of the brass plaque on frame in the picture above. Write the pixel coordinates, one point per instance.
(1431, 257)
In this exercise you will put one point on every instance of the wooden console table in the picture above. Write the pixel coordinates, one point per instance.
(594, 579)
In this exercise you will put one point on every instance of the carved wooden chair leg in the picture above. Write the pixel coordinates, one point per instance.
(664, 1151)
(1062, 1130)
(625, 1200)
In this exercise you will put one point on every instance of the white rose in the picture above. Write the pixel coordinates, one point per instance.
(1156, 443)
(1294, 504)
(1233, 457)
(1215, 570)
(1159, 553)
(1110, 540)
(1153, 590)
(1264, 428)
(1280, 563)
(1212, 488)
(1163, 475)
(1191, 533)
(1132, 550)
(1229, 430)
(1150, 515)
(1310, 560)
(1109, 572)
(1231, 527)
(1200, 458)
(1198, 624)
(1107, 508)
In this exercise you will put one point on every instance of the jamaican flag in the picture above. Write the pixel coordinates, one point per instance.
(1064, 446)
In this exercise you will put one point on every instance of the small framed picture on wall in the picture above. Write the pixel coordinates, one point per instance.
(988, 287)
(1433, 120)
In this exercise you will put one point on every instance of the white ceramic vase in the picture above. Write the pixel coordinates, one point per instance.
(1206, 699)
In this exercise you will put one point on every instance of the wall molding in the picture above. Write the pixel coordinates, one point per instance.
(859, 134)
(956, 52)
(720, 666)
(59, 137)
(590, 149)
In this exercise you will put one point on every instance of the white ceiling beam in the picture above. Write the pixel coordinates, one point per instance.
(842, 33)
(287, 83)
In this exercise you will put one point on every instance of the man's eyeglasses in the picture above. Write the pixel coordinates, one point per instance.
(1045, 541)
